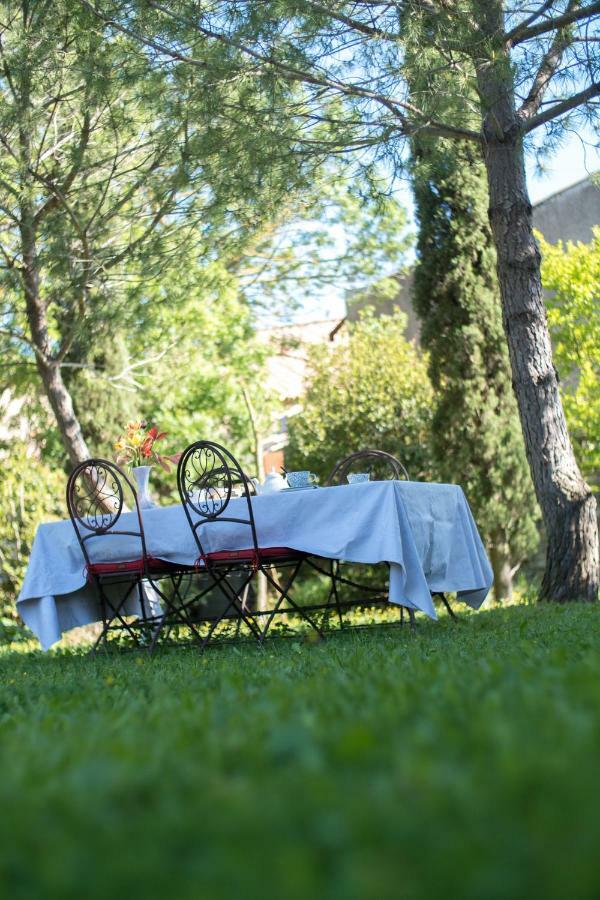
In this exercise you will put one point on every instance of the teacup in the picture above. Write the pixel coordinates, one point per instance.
(356, 477)
(301, 479)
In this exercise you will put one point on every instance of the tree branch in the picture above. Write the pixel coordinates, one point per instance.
(59, 192)
(564, 106)
(522, 33)
(369, 30)
(156, 218)
(155, 45)
(399, 109)
(17, 336)
(547, 69)
(536, 14)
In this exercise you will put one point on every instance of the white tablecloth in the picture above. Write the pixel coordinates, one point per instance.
(424, 531)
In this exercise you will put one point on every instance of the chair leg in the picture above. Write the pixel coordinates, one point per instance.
(285, 595)
(282, 596)
(449, 609)
(111, 612)
(173, 614)
(335, 571)
(413, 621)
(234, 603)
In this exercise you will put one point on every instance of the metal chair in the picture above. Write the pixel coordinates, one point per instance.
(370, 460)
(96, 501)
(377, 463)
(207, 475)
(374, 462)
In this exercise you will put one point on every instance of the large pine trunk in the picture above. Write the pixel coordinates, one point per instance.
(567, 503)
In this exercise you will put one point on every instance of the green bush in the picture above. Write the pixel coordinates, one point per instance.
(571, 273)
(30, 493)
(369, 390)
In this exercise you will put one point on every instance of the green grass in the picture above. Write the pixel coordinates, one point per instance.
(460, 762)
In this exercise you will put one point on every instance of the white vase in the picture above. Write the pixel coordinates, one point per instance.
(142, 476)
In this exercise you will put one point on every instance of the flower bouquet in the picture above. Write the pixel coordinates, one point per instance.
(136, 447)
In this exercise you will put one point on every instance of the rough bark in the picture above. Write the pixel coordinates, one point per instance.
(567, 503)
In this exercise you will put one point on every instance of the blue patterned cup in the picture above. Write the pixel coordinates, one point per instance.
(356, 477)
(301, 479)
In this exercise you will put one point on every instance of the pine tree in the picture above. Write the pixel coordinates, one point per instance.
(477, 439)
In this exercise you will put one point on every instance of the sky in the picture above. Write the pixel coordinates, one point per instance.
(574, 161)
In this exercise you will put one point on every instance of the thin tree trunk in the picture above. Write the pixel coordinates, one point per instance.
(62, 407)
(503, 573)
(567, 503)
(49, 370)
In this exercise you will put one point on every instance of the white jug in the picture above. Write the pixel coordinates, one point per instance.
(272, 483)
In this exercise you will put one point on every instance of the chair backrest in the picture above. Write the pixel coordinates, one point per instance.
(207, 476)
(96, 500)
(371, 461)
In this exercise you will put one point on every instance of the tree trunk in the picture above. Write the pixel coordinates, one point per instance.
(49, 369)
(503, 573)
(62, 407)
(567, 503)
(37, 316)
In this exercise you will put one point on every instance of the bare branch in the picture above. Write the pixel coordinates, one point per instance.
(522, 33)
(59, 191)
(536, 14)
(18, 336)
(547, 69)
(562, 107)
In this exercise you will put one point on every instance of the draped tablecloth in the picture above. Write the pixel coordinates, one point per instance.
(424, 531)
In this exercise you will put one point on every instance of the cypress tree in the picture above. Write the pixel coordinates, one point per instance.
(477, 439)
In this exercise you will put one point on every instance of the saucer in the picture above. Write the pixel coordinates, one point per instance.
(305, 487)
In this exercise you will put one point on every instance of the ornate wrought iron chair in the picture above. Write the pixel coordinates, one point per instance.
(96, 501)
(375, 462)
(207, 475)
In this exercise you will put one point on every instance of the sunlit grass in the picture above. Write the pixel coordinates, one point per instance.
(460, 761)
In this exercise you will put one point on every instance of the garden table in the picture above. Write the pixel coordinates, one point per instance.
(424, 531)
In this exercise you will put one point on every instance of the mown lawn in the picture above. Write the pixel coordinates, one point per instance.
(460, 762)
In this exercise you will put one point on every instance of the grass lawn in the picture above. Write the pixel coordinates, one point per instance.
(460, 762)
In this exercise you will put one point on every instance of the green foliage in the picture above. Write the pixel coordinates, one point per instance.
(368, 390)
(476, 434)
(200, 316)
(571, 274)
(30, 493)
(102, 397)
(460, 762)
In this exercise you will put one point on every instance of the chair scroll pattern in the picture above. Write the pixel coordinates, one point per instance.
(205, 479)
(95, 495)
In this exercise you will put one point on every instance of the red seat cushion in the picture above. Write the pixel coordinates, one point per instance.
(131, 566)
(264, 553)
(136, 566)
